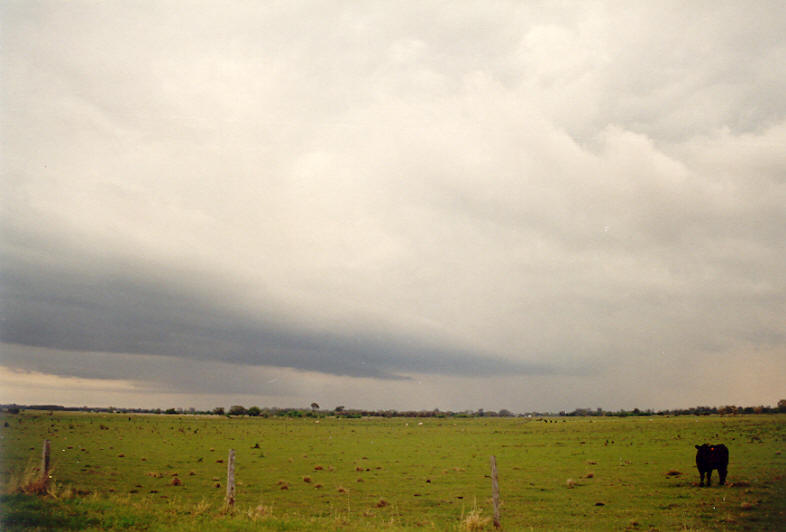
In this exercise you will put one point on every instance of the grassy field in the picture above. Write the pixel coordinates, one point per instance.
(117, 471)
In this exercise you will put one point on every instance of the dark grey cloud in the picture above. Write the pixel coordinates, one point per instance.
(100, 309)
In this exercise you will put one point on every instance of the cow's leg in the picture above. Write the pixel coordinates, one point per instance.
(709, 475)
(722, 473)
(701, 477)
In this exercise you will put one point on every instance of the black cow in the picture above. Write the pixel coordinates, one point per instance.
(709, 457)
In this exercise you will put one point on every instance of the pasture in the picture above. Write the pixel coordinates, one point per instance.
(115, 471)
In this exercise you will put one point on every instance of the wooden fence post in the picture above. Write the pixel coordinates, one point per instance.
(495, 492)
(45, 464)
(230, 500)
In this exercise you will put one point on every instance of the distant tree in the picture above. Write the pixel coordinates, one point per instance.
(254, 411)
(170, 411)
(219, 410)
(340, 408)
(314, 407)
(237, 410)
(782, 405)
(505, 413)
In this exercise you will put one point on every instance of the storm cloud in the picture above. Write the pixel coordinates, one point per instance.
(397, 194)
(111, 313)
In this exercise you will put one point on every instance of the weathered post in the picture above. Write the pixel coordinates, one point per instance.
(230, 500)
(495, 492)
(45, 465)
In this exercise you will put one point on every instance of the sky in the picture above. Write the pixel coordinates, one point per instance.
(536, 206)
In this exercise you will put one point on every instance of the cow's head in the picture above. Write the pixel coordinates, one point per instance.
(704, 448)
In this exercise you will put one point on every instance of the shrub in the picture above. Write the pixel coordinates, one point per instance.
(237, 410)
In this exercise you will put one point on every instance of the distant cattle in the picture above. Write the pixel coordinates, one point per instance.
(709, 457)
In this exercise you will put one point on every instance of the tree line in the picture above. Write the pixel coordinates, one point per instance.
(314, 411)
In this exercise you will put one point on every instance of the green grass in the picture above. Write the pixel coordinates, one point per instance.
(119, 477)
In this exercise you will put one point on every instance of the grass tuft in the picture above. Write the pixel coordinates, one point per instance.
(260, 512)
(201, 507)
(474, 520)
(31, 482)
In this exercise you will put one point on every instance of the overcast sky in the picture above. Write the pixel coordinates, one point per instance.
(409, 205)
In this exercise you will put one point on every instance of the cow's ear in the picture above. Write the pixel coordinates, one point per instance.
(696, 446)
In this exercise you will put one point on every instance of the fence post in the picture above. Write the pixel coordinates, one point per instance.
(230, 500)
(495, 492)
(45, 464)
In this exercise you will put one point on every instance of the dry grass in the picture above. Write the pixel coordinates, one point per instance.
(29, 481)
(201, 507)
(39, 486)
(260, 512)
(474, 520)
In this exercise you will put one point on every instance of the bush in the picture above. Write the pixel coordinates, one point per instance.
(237, 410)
